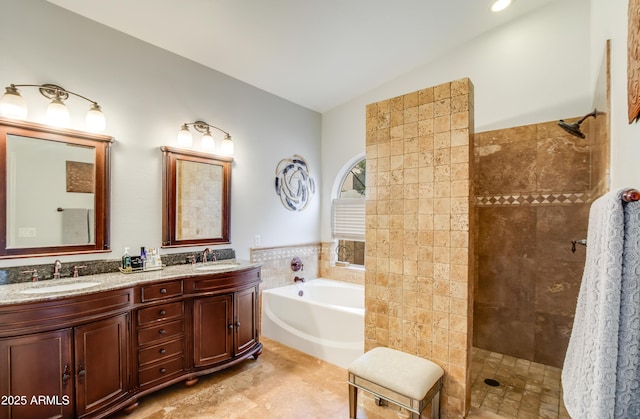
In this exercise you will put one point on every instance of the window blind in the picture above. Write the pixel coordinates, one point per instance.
(348, 220)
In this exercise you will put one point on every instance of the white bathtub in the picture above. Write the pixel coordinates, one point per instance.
(326, 321)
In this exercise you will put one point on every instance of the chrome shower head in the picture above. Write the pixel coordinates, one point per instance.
(574, 128)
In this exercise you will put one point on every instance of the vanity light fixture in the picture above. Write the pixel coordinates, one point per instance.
(499, 5)
(13, 105)
(207, 142)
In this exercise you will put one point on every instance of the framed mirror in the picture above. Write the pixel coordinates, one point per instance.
(196, 198)
(54, 190)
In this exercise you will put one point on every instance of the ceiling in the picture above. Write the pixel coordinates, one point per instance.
(315, 53)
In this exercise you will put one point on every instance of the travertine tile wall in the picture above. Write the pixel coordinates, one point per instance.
(418, 275)
(329, 270)
(533, 195)
(276, 263)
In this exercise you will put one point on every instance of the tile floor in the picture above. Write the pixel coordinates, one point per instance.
(285, 383)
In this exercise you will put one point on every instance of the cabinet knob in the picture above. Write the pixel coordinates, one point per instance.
(66, 374)
(162, 351)
(230, 325)
(237, 324)
(162, 312)
(163, 290)
(162, 331)
(163, 370)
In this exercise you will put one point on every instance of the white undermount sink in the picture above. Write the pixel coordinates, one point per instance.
(60, 288)
(217, 267)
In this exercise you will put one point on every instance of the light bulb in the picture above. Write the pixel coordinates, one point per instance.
(185, 139)
(12, 105)
(207, 143)
(95, 120)
(227, 146)
(499, 5)
(57, 113)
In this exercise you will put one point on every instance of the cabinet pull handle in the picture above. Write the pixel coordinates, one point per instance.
(66, 374)
(163, 290)
(163, 370)
(81, 371)
(163, 351)
(230, 326)
(162, 312)
(237, 324)
(162, 331)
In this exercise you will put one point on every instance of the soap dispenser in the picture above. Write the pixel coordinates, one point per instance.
(126, 259)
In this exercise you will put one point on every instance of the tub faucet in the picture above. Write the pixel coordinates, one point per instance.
(57, 265)
(297, 278)
(205, 252)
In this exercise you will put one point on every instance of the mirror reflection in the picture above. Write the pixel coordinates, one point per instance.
(54, 190)
(50, 193)
(196, 198)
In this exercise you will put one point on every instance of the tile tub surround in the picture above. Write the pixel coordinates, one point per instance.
(533, 195)
(418, 243)
(276, 263)
(328, 269)
(14, 275)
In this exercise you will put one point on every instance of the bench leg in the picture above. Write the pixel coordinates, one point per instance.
(353, 401)
(435, 406)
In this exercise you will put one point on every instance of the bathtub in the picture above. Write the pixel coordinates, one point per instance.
(321, 317)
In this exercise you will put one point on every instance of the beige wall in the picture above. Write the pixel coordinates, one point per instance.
(417, 280)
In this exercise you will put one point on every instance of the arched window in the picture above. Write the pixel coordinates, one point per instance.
(348, 213)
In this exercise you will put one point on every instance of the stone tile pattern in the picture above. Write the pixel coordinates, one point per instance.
(276, 263)
(418, 245)
(527, 390)
(329, 270)
(533, 195)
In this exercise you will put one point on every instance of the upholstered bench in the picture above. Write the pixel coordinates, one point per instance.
(403, 379)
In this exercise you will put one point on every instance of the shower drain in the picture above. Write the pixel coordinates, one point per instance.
(491, 382)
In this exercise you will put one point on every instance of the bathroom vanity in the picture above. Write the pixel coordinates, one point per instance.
(89, 352)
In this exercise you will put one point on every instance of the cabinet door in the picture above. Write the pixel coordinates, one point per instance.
(35, 376)
(102, 367)
(213, 329)
(246, 320)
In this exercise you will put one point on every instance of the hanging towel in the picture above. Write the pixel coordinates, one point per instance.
(75, 226)
(601, 372)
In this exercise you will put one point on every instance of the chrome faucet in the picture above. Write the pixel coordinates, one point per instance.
(205, 252)
(57, 265)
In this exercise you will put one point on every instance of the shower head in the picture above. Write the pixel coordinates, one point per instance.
(574, 128)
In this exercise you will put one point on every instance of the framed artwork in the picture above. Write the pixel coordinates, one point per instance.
(633, 60)
(80, 177)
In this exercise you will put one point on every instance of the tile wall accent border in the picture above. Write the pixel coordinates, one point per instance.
(551, 198)
(276, 263)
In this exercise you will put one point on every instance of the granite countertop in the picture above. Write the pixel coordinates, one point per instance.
(15, 293)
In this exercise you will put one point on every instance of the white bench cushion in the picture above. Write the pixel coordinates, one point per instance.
(398, 371)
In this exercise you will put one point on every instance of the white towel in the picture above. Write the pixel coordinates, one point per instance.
(75, 226)
(601, 372)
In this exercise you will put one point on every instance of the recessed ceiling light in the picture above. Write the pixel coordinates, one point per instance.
(499, 5)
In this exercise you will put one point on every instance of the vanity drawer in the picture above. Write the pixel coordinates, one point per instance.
(161, 351)
(161, 371)
(160, 312)
(161, 291)
(160, 332)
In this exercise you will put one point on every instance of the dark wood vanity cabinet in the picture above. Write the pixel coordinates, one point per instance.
(76, 370)
(97, 353)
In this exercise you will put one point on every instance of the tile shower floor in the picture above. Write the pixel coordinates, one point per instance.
(285, 383)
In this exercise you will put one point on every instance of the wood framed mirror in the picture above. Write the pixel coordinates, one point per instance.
(196, 198)
(54, 190)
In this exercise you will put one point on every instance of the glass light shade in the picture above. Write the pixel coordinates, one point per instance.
(185, 139)
(207, 143)
(499, 5)
(227, 146)
(95, 120)
(57, 113)
(12, 105)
